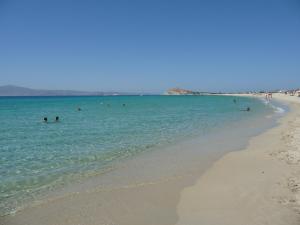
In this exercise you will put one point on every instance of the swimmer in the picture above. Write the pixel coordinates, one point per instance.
(56, 118)
(234, 101)
(78, 109)
(247, 109)
(124, 105)
(45, 119)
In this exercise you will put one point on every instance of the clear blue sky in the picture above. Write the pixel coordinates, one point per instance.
(150, 45)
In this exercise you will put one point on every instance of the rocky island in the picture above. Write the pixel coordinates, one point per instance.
(179, 91)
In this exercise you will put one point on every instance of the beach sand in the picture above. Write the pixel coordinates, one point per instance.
(259, 185)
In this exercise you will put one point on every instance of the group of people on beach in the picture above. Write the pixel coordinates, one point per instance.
(268, 96)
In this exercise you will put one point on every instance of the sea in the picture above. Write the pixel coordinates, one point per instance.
(97, 136)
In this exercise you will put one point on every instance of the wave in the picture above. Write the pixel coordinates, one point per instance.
(276, 109)
(279, 109)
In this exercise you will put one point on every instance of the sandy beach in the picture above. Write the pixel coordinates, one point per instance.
(259, 185)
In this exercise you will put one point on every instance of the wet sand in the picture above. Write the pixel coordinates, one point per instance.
(146, 192)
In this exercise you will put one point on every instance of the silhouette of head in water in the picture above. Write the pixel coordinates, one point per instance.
(124, 104)
(57, 119)
(78, 109)
(45, 119)
(248, 109)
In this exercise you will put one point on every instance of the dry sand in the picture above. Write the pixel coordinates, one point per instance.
(259, 185)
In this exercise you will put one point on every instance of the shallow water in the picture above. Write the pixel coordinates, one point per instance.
(38, 157)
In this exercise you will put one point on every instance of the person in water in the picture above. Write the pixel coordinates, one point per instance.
(247, 109)
(57, 119)
(234, 101)
(78, 109)
(45, 119)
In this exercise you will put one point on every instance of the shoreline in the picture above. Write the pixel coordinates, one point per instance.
(258, 185)
(127, 205)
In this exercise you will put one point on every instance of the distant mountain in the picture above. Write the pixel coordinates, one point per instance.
(11, 90)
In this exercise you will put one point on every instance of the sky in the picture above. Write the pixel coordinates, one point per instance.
(150, 46)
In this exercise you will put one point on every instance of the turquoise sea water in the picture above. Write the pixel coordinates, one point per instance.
(36, 157)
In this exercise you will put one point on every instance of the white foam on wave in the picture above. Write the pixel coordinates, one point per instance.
(265, 101)
(275, 108)
(279, 110)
